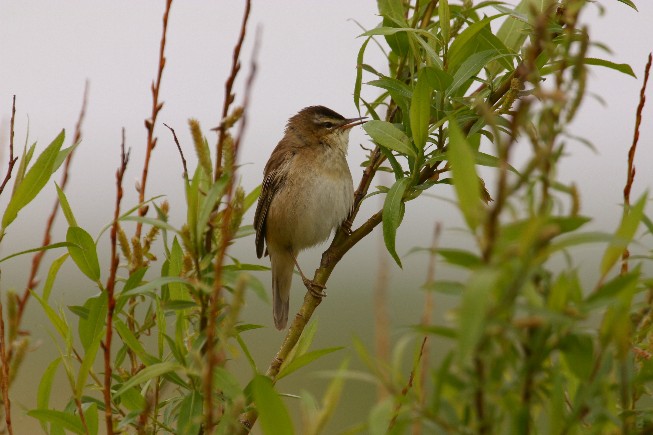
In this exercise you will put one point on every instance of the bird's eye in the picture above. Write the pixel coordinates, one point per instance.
(328, 124)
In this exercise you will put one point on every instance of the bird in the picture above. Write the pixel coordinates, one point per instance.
(307, 192)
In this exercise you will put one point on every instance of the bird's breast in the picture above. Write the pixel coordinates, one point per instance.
(316, 198)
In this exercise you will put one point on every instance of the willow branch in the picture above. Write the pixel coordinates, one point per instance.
(151, 122)
(12, 158)
(630, 176)
(229, 84)
(110, 287)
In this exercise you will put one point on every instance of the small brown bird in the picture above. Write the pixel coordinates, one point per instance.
(307, 192)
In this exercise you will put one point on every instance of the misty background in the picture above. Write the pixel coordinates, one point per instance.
(307, 56)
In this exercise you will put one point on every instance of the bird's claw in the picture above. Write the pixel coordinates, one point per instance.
(315, 288)
(346, 227)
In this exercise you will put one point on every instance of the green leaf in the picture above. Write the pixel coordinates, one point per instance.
(483, 159)
(621, 67)
(93, 325)
(226, 383)
(420, 110)
(390, 137)
(445, 18)
(470, 67)
(83, 252)
(58, 418)
(40, 248)
(393, 214)
(305, 359)
(359, 73)
(132, 342)
(34, 181)
(190, 414)
(460, 257)
(465, 180)
(392, 85)
(606, 294)
(149, 286)
(153, 371)
(578, 352)
(45, 387)
(87, 364)
(437, 79)
(624, 234)
(208, 205)
(471, 318)
(65, 207)
(465, 44)
(273, 414)
(629, 3)
(514, 30)
(58, 322)
(91, 416)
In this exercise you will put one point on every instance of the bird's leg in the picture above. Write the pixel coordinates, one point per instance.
(316, 289)
(346, 226)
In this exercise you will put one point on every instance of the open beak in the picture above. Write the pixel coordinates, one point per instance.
(353, 122)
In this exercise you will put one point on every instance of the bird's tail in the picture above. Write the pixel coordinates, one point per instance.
(283, 265)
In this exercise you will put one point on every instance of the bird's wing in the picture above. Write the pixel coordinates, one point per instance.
(273, 181)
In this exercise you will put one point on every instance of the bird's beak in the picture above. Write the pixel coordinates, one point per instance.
(353, 122)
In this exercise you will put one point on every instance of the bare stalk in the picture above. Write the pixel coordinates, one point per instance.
(110, 287)
(630, 175)
(228, 87)
(151, 122)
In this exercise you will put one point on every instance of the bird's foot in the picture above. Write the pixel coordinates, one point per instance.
(346, 226)
(315, 288)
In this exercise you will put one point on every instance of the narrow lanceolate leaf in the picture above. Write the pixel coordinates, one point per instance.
(621, 67)
(465, 180)
(190, 414)
(444, 16)
(65, 207)
(83, 252)
(472, 316)
(305, 359)
(420, 110)
(470, 67)
(273, 414)
(35, 179)
(59, 418)
(359, 73)
(390, 137)
(624, 234)
(93, 325)
(393, 214)
(45, 387)
(438, 79)
(146, 374)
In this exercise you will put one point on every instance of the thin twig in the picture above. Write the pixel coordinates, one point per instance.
(427, 313)
(4, 382)
(32, 281)
(12, 159)
(181, 153)
(151, 122)
(406, 389)
(228, 87)
(111, 284)
(630, 176)
(226, 235)
(381, 316)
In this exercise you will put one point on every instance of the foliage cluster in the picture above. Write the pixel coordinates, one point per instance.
(153, 349)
